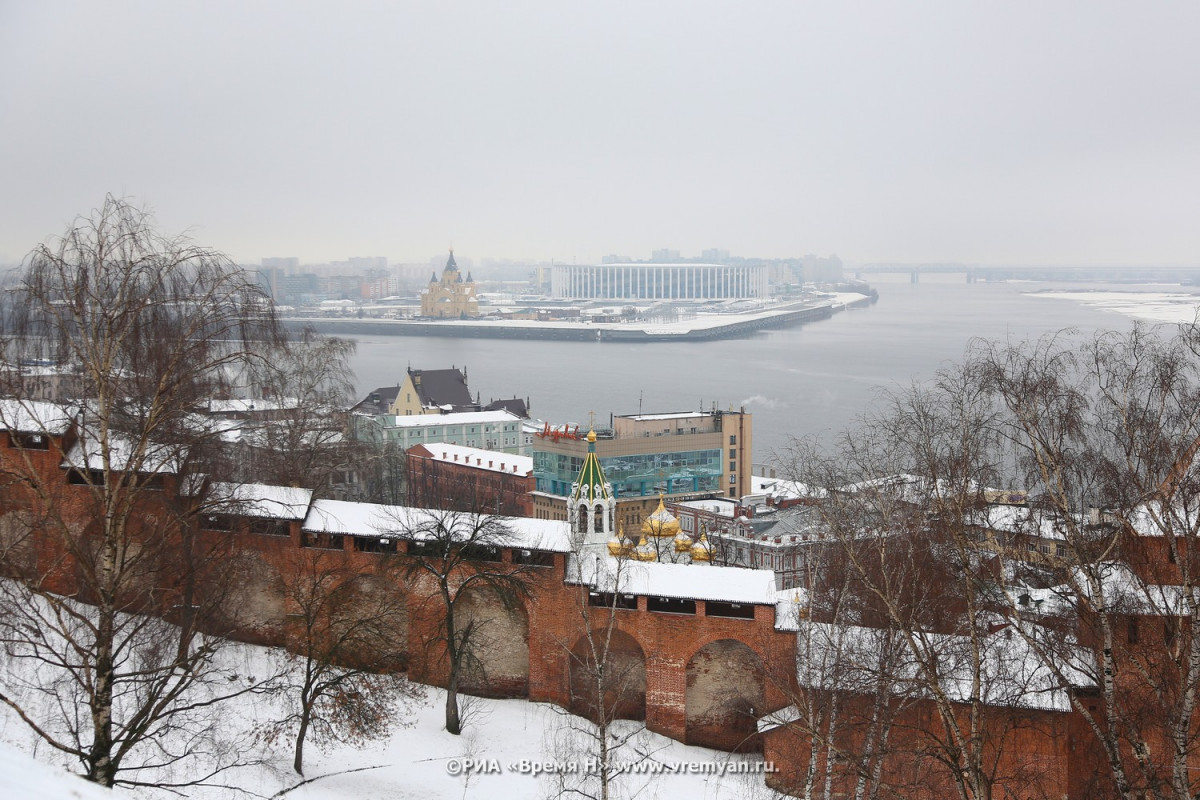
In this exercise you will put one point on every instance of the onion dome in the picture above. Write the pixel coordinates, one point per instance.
(645, 551)
(702, 550)
(619, 546)
(683, 543)
(661, 523)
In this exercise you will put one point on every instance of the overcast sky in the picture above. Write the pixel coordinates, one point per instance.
(979, 132)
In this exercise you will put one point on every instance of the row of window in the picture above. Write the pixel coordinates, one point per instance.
(671, 605)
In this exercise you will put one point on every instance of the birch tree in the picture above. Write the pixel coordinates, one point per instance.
(108, 661)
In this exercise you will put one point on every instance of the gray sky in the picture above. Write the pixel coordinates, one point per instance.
(991, 132)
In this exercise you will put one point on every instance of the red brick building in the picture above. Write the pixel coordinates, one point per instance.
(461, 478)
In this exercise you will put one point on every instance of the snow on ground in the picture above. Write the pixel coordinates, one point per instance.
(494, 758)
(23, 777)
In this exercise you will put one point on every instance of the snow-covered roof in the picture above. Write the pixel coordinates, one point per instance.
(1155, 519)
(479, 458)
(260, 500)
(460, 418)
(782, 489)
(718, 506)
(668, 415)
(404, 522)
(34, 416)
(683, 581)
(241, 406)
(852, 657)
(87, 453)
(1126, 593)
(1019, 519)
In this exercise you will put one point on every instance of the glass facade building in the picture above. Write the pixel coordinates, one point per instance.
(634, 475)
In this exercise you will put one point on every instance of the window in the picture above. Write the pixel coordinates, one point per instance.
(270, 527)
(78, 477)
(368, 544)
(216, 522)
(474, 552)
(670, 605)
(536, 558)
(323, 541)
(29, 441)
(607, 600)
(731, 610)
(732, 439)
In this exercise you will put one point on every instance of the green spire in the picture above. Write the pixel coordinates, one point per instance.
(591, 485)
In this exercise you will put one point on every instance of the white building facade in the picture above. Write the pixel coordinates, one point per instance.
(486, 430)
(636, 282)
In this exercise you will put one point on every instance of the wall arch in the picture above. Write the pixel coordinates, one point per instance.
(623, 682)
(382, 612)
(498, 664)
(725, 694)
(254, 604)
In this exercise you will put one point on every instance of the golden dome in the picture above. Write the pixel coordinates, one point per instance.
(618, 548)
(683, 543)
(645, 551)
(618, 545)
(702, 550)
(661, 523)
(591, 437)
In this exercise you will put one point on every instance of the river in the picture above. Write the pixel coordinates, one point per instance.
(809, 380)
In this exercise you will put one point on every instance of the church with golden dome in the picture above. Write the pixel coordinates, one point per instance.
(450, 297)
(591, 511)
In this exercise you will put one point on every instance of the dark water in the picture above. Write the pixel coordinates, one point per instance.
(813, 379)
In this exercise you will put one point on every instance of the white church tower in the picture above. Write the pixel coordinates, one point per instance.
(591, 508)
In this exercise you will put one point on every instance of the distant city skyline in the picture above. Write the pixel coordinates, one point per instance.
(925, 131)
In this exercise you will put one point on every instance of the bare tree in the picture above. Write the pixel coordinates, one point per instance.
(307, 383)
(454, 559)
(345, 651)
(607, 681)
(148, 326)
(1106, 434)
(902, 501)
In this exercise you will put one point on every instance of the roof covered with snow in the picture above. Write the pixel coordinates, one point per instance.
(259, 500)
(683, 581)
(852, 657)
(404, 522)
(123, 455)
(715, 505)
(1020, 519)
(460, 418)
(782, 489)
(34, 416)
(476, 457)
(1155, 519)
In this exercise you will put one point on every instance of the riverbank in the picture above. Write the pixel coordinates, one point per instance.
(694, 328)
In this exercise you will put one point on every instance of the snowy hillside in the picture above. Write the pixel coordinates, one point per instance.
(505, 743)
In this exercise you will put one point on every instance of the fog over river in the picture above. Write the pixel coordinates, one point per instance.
(813, 379)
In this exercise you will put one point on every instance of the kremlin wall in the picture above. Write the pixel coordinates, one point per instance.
(712, 656)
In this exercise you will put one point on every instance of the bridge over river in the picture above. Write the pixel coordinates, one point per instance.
(972, 273)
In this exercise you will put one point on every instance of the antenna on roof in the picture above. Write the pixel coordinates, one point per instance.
(639, 404)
